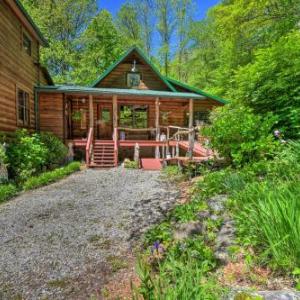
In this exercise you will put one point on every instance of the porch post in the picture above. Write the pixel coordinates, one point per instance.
(191, 126)
(115, 126)
(157, 153)
(115, 111)
(91, 111)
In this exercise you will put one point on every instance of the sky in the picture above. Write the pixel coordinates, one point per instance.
(114, 5)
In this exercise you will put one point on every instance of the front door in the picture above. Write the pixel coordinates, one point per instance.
(105, 130)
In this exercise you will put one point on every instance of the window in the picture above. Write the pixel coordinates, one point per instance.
(26, 44)
(105, 115)
(201, 117)
(23, 110)
(134, 116)
(133, 79)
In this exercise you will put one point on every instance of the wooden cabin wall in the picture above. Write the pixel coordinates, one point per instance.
(149, 79)
(206, 104)
(175, 108)
(51, 114)
(17, 69)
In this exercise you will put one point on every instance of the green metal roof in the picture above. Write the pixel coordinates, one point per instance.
(197, 91)
(73, 89)
(170, 83)
(29, 19)
(144, 57)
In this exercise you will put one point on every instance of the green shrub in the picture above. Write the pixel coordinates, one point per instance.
(268, 219)
(57, 151)
(241, 136)
(26, 155)
(271, 83)
(7, 191)
(181, 273)
(51, 176)
(130, 164)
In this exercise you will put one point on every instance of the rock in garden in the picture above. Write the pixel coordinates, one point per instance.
(216, 203)
(186, 230)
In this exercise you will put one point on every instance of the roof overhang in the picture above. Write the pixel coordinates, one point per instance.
(19, 10)
(106, 91)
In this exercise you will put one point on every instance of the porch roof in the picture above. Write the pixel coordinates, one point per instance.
(73, 89)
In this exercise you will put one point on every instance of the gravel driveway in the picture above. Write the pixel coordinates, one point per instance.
(65, 240)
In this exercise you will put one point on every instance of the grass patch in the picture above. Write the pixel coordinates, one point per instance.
(173, 173)
(51, 176)
(58, 283)
(7, 191)
(116, 263)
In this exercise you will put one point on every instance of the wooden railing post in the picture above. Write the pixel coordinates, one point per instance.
(116, 149)
(191, 126)
(91, 111)
(157, 154)
(89, 146)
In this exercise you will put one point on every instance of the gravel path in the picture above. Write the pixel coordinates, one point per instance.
(63, 241)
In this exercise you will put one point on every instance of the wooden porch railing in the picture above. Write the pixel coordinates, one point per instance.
(116, 153)
(89, 146)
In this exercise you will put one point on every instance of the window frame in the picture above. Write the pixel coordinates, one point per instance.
(203, 112)
(25, 121)
(133, 73)
(133, 113)
(26, 36)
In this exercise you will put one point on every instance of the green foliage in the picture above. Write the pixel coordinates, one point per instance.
(62, 23)
(101, 44)
(3, 156)
(51, 176)
(241, 136)
(268, 218)
(160, 232)
(257, 87)
(57, 151)
(26, 155)
(181, 274)
(130, 164)
(7, 191)
(264, 200)
(173, 173)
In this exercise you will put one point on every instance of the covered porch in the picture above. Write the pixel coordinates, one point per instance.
(108, 124)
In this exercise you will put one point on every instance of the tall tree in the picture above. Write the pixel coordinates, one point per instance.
(128, 24)
(184, 10)
(62, 22)
(101, 44)
(166, 26)
(146, 22)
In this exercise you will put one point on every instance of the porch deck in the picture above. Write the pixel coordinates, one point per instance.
(200, 153)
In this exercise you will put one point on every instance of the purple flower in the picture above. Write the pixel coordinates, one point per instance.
(156, 245)
(157, 248)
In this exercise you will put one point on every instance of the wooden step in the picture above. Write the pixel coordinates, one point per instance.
(151, 164)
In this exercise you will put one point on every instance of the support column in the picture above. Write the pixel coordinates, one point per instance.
(115, 112)
(191, 126)
(91, 111)
(157, 153)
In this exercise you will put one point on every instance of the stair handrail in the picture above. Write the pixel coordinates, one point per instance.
(89, 145)
(116, 154)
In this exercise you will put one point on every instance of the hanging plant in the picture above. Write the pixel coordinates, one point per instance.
(76, 116)
(164, 116)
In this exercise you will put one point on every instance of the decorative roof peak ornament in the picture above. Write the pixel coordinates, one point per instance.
(134, 68)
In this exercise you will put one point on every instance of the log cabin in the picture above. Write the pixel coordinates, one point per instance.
(131, 106)
(20, 68)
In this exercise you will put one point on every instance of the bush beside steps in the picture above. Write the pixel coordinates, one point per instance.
(8, 191)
